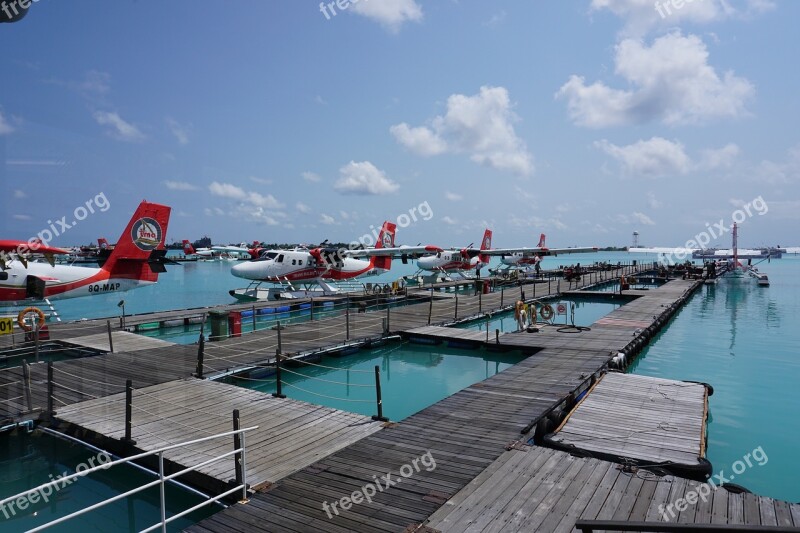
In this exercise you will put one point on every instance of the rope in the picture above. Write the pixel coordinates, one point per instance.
(332, 367)
(326, 380)
(82, 378)
(186, 407)
(324, 396)
(77, 391)
(172, 421)
(11, 399)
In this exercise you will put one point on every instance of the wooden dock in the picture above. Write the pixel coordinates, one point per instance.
(291, 434)
(544, 490)
(640, 420)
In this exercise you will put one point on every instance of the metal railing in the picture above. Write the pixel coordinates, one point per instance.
(239, 451)
(588, 526)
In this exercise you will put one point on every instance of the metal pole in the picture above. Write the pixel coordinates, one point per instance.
(379, 416)
(502, 293)
(110, 339)
(347, 323)
(497, 336)
(244, 470)
(312, 309)
(388, 314)
(430, 308)
(26, 377)
(163, 490)
(201, 349)
(237, 445)
(254, 318)
(128, 413)
(36, 339)
(280, 345)
(50, 412)
(480, 299)
(278, 389)
(455, 314)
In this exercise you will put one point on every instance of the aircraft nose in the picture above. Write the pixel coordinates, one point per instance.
(245, 270)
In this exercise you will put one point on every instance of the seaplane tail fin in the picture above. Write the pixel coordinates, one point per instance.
(541, 241)
(486, 244)
(188, 249)
(139, 252)
(385, 240)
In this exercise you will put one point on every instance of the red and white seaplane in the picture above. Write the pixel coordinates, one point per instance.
(322, 266)
(135, 261)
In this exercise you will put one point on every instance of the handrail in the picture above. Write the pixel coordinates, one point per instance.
(162, 479)
(588, 526)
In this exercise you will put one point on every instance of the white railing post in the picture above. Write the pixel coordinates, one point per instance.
(163, 492)
(244, 470)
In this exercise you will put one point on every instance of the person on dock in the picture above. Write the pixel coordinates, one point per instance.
(521, 314)
(538, 268)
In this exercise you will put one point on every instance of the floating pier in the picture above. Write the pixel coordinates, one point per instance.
(640, 420)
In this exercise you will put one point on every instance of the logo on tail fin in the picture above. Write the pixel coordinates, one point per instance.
(541, 241)
(146, 234)
(487, 240)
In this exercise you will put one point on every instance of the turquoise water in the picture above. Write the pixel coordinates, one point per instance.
(28, 460)
(587, 311)
(412, 378)
(742, 339)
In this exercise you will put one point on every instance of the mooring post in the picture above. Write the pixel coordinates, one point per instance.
(455, 314)
(254, 318)
(558, 287)
(26, 377)
(128, 413)
(480, 299)
(312, 309)
(502, 292)
(36, 339)
(110, 339)
(347, 323)
(201, 348)
(237, 446)
(278, 388)
(430, 308)
(388, 314)
(50, 410)
(379, 416)
(497, 336)
(280, 345)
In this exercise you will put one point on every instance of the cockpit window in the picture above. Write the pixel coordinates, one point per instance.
(279, 259)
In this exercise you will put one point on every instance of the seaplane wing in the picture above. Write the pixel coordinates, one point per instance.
(398, 251)
(26, 247)
(231, 249)
(539, 251)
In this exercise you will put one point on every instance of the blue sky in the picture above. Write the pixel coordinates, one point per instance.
(585, 119)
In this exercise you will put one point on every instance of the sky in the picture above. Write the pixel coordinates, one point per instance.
(297, 121)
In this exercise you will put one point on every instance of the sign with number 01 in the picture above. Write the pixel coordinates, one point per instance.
(6, 326)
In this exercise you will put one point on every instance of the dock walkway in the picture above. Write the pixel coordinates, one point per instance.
(640, 420)
(465, 433)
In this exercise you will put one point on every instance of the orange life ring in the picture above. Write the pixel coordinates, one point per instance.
(546, 312)
(21, 318)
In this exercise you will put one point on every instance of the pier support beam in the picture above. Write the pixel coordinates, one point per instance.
(128, 413)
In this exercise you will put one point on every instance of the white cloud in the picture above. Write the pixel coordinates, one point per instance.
(719, 158)
(391, 14)
(120, 129)
(643, 15)
(5, 127)
(420, 140)
(496, 19)
(179, 186)
(449, 221)
(327, 219)
(303, 208)
(180, 132)
(260, 181)
(21, 217)
(480, 125)
(311, 177)
(452, 196)
(653, 158)
(652, 201)
(784, 172)
(254, 199)
(670, 81)
(19, 194)
(641, 218)
(364, 178)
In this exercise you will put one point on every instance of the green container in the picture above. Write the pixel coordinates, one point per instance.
(219, 325)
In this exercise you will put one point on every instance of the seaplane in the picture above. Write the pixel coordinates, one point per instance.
(29, 273)
(468, 259)
(322, 267)
(729, 261)
(228, 253)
